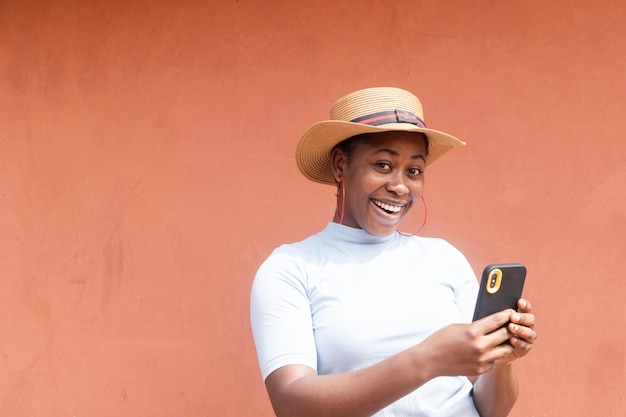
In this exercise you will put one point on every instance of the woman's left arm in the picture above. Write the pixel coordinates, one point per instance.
(495, 392)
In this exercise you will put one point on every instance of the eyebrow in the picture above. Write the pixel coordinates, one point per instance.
(394, 153)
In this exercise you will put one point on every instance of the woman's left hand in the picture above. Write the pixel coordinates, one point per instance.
(522, 329)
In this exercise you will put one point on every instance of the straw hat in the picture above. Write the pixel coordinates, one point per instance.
(371, 110)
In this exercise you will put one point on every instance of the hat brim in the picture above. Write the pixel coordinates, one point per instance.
(313, 150)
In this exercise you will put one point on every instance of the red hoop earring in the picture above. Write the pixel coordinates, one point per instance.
(423, 223)
(341, 185)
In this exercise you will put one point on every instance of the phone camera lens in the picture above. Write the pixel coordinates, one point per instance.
(493, 280)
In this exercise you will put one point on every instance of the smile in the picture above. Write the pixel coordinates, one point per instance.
(389, 208)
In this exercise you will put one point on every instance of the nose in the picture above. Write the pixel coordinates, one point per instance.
(397, 186)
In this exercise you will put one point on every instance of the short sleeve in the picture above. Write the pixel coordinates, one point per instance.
(467, 290)
(280, 314)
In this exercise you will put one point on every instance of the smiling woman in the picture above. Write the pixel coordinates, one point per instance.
(361, 320)
(380, 176)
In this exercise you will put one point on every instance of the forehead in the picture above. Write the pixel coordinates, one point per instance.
(413, 142)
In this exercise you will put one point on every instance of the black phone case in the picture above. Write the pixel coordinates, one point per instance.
(511, 286)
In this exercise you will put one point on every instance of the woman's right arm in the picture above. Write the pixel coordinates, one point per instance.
(458, 349)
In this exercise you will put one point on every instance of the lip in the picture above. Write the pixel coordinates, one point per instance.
(389, 204)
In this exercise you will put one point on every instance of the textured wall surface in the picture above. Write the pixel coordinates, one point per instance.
(147, 169)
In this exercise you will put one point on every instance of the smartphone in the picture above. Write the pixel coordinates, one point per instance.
(500, 288)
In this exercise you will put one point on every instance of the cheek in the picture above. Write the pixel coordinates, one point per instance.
(417, 189)
(359, 185)
(357, 198)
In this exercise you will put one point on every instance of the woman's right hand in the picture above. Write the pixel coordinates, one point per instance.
(467, 349)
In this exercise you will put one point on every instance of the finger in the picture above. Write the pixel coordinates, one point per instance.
(524, 305)
(523, 319)
(501, 351)
(498, 337)
(520, 347)
(522, 332)
(493, 322)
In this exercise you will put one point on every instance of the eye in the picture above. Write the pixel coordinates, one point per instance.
(414, 171)
(385, 166)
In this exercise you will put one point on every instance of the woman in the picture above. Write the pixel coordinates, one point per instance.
(361, 320)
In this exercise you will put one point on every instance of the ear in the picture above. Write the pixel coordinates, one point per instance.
(339, 160)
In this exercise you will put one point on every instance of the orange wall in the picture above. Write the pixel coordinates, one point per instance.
(147, 169)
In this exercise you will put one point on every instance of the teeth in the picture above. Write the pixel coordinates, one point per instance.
(388, 207)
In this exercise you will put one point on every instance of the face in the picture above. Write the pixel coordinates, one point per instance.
(383, 177)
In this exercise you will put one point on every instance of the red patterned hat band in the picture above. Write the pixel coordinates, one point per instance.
(391, 116)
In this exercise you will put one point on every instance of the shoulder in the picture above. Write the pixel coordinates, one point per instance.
(288, 262)
(293, 253)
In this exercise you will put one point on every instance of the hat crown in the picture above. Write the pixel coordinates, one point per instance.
(371, 101)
